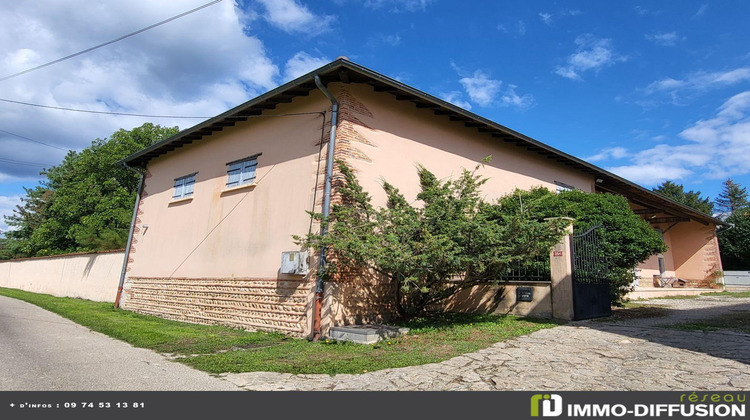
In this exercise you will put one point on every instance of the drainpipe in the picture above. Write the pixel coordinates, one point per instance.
(318, 308)
(130, 235)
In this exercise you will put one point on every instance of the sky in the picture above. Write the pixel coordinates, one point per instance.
(652, 91)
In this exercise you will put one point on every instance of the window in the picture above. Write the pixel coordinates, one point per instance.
(564, 187)
(242, 171)
(183, 186)
(662, 265)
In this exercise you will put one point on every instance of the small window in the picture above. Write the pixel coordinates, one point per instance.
(242, 172)
(183, 186)
(564, 187)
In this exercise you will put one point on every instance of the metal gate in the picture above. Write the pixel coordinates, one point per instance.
(590, 275)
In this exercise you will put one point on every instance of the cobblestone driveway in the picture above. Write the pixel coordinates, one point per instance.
(585, 355)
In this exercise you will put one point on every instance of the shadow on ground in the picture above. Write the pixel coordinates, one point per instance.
(665, 325)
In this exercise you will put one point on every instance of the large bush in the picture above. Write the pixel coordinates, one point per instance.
(627, 239)
(447, 241)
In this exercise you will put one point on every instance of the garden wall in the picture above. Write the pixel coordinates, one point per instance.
(87, 276)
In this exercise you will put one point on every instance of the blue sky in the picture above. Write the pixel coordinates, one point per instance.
(652, 91)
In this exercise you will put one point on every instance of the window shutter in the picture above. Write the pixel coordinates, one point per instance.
(188, 186)
(234, 174)
(178, 186)
(248, 171)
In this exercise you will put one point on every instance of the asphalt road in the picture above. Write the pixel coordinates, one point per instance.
(41, 351)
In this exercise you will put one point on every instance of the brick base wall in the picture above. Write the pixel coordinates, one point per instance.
(251, 304)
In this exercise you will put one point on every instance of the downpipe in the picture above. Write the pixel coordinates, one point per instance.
(326, 211)
(130, 234)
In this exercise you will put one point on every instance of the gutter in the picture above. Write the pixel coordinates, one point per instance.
(130, 234)
(318, 307)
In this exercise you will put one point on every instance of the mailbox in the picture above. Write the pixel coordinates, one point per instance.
(524, 294)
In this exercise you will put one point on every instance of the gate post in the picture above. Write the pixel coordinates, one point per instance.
(561, 275)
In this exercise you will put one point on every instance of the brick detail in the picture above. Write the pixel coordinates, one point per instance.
(356, 298)
(251, 304)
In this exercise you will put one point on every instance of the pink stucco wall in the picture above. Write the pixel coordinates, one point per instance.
(238, 233)
(392, 137)
(692, 255)
(215, 258)
(697, 258)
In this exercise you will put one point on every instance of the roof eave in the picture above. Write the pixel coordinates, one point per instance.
(141, 158)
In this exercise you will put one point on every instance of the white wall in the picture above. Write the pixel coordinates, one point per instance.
(86, 276)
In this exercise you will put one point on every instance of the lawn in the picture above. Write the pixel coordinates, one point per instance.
(633, 310)
(219, 349)
(736, 321)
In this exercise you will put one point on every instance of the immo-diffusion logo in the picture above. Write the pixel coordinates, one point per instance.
(551, 404)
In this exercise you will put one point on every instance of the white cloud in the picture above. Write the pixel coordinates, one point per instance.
(646, 12)
(717, 148)
(302, 63)
(511, 98)
(293, 17)
(481, 88)
(170, 70)
(378, 40)
(650, 173)
(518, 28)
(485, 91)
(665, 39)
(398, 6)
(592, 54)
(676, 90)
(546, 18)
(454, 97)
(701, 10)
(610, 153)
(7, 204)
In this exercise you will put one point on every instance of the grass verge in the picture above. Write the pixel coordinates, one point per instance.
(633, 310)
(219, 349)
(729, 294)
(736, 321)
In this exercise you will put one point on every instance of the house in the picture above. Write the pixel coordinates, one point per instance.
(220, 201)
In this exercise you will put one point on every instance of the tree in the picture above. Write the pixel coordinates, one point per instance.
(690, 198)
(732, 198)
(449, 241)
(734, 241)
(627, 239)
(86, 202)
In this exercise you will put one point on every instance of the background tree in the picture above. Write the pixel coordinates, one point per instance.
(627, 239)
(691, 198)
(448, 241)
(732, 197)
(86, 202)
(734, 241)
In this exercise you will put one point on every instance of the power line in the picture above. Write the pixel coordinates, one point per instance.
(100, 112)
(24, 163)
(110, 42)
(35, 141)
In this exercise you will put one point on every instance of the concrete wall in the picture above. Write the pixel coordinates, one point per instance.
(86, 276)
(501, 300)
